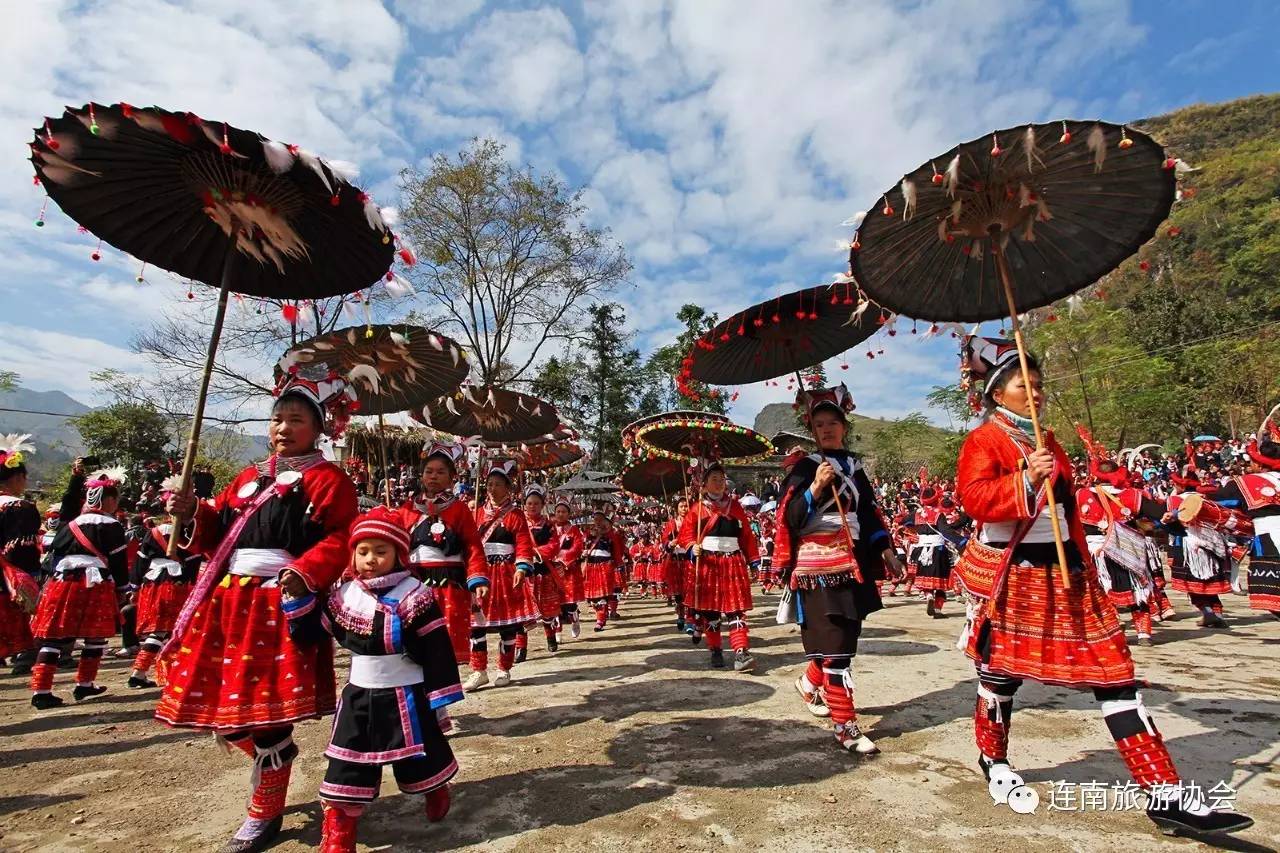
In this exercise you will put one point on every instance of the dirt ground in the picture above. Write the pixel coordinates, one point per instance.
(627, 740)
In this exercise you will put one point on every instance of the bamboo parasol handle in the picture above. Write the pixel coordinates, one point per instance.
(197, 419)
(1003, 268)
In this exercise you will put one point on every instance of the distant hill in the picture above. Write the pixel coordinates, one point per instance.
(780, 417)
(56, 439)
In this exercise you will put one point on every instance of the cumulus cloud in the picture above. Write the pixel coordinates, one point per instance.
(722, 142)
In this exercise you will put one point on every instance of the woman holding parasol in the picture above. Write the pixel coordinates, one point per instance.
(277, 532)
(833, 547)
(1037, 622)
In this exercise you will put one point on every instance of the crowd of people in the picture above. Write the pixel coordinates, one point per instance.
(233, 602)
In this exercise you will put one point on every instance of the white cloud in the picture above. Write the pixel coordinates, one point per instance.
(522, 65)
(53, 360)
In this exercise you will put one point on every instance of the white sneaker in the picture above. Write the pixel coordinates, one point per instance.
(851, 738)
(575, 630)
(477, 679)
(812, 701)
(502, 679)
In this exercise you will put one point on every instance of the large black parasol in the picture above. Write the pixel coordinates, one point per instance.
(654, 477)
(491, 414)
(393, 368)
(1064, 203)
(779, 336)
(1012, 222)
(214, 203)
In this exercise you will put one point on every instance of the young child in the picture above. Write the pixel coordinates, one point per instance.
(402, 670)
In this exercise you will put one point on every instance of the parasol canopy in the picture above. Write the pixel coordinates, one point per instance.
(780, 336)
(582, 484)
(173, 190)
(393, 368)
(491, 414)
(545, 455)
(703, 437)
(215, 204)
(655, 476)
(1066, 201)
(1200, 438)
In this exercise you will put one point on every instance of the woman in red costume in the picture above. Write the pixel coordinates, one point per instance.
(510, 604)
(675, 563)
(717, 535)
(1034, 623)
(549, 584)
(279, 530)
(445, 551)
(569, 564)
(19, 548)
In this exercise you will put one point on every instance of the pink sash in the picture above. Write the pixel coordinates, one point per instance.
(210, 570)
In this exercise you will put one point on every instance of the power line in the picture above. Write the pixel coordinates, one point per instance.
(1248, 331)
(175, 415)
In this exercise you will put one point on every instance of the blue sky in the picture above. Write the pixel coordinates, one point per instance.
(723, 143)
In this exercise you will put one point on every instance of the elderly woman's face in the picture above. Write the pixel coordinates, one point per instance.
(499, 488)
(293, 428)
(828, 429)
(1015, 396)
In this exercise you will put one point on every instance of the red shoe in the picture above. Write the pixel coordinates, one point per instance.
(339, 832)
(438, 804)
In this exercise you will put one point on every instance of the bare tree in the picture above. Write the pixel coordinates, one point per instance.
(504, 259)
(254, 336)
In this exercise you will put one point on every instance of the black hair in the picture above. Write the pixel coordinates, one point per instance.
(449, 463)
(295, 398)
(1003, 378)
(1269, 448)
(7, 473)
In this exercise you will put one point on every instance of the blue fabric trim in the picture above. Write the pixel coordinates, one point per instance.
(1230, 502)
(288, 605)
(447, 699)
(808, 502)
(411, 705)
(478, 580)
(524, 567)
(879, 534)
(799, 594)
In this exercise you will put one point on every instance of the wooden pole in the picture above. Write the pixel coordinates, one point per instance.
(197, 419)
(382, 452)
(1002, 267)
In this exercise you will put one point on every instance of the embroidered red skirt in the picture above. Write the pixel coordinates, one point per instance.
(1264, 583)
(1218, 584)
(1036, 628)
(505, 605)
(237, 668)
(936, 575)
(573, 585)
(70, 609)
(550, 589)
(718, 583)
(15, 627)
(674, 569)
(159, 604)
(455, 604)
(599, 580)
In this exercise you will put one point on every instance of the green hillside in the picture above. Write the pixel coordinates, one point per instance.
(1185, 336)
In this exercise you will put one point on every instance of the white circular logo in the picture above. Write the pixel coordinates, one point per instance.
(437, 529)
(248, 490)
